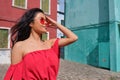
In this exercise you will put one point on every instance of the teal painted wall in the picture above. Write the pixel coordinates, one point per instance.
(114, 18)
(96, 24)
(84, 12)
(86, 49)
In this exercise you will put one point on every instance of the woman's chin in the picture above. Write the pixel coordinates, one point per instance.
(45, 31)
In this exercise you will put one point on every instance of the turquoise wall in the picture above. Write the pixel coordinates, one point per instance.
(114, 18)
(96, 24)
(84, 12)
(92, 47)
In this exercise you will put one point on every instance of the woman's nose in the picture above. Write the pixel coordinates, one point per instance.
(46, 23)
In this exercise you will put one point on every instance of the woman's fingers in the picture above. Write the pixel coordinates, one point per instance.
(50, 22)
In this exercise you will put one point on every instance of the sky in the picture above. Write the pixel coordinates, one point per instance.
(60, 17)
(61, 7)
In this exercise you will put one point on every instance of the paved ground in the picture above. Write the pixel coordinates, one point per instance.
(75, 71)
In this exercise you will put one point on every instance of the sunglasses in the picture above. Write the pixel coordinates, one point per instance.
(44, 22)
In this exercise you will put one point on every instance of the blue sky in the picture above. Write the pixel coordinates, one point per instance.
(61, 5)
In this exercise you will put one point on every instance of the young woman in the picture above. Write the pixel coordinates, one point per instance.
(31, 57)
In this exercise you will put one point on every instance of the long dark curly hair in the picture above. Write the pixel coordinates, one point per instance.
(21, 30)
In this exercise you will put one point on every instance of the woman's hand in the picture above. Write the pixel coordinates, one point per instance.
(50, 22)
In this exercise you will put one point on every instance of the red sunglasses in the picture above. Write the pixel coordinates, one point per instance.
(44, 22)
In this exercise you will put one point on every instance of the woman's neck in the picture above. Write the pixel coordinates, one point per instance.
(35, 36)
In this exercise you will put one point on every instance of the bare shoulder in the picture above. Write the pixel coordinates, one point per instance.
(17, 45)
(16, 53)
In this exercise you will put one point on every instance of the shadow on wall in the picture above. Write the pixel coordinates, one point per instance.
(103, 11)
(93, 57)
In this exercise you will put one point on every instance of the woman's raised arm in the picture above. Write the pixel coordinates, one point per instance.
(70, 36)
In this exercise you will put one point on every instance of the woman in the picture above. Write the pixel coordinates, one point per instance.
(32, 58)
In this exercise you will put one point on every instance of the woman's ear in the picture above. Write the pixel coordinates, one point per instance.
(31, 24)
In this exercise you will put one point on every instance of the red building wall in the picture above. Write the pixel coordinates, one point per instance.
(9, 14)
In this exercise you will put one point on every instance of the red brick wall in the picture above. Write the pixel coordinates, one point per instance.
(54, 16)
(9, 14)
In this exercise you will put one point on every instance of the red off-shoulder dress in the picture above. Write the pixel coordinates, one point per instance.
(36, 65)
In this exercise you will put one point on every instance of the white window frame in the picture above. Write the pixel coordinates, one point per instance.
(8, 47)
(20, 6)
(48, 35)
(49, 7)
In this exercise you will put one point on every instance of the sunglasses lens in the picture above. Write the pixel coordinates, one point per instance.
(42, 21)
(48, 23)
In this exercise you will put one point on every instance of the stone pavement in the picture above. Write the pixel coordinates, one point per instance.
(75, 71)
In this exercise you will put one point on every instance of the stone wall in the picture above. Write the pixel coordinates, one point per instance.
(4, 56)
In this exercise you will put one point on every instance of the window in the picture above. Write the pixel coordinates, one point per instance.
(20, 3)
(45, 36)
(4, 38)
(119, 29)
(45, 6)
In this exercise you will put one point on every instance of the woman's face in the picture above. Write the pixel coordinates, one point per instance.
(39, 23)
